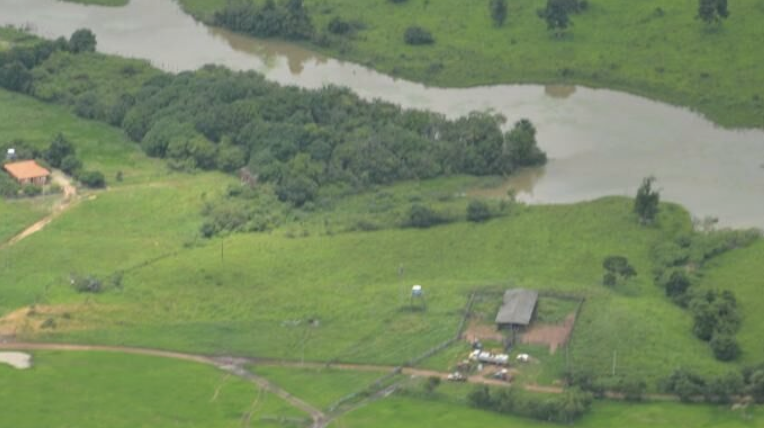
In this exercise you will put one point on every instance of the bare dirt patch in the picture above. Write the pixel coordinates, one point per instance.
(33, 319)
(480, 330)
(18, 360)
(68, 199)
(552, 335)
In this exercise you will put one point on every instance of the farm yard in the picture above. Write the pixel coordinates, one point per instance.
(134, 316)
(336, 297)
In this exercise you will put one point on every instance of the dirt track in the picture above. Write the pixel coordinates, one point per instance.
(230, 365)
(69, 199)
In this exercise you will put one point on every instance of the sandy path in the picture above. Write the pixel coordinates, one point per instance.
(69, 198)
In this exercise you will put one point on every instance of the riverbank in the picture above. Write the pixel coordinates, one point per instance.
(110, 3)
(647, 48)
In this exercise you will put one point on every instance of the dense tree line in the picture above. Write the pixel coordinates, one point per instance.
(299, 141)
(288, 19)
(716, 317)
(302, 140)
(565, 407)
(726, 388)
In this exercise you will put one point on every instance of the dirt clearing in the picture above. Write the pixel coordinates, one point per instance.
(552, 335)
(477, 330)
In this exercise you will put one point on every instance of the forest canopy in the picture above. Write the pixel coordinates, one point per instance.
(299, 140)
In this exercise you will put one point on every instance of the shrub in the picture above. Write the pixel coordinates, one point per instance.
(86, 284)
(431, 384)
(8, 186)
(92, 179)
(31, 190)
(423, 217)
(418, 36)
(478, 211)
(339, 26)
(71, 164)
(725, 346)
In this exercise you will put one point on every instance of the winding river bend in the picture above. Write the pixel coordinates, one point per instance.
(600, 142)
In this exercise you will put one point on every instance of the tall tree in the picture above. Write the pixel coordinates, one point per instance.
(556, 16)
(712, 11)
(646, 202)
(82, 40)
(498, 11)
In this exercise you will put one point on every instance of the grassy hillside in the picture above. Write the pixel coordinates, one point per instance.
(15, 215)
(100, 146)
(258, 297)
(632, 46)
(742, 272)
(416, 413)
(319, 387)
(128, 391)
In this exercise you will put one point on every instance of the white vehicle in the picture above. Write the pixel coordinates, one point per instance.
(456, 377)
(489, 358)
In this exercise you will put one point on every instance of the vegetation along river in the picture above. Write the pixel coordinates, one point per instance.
(600, 142)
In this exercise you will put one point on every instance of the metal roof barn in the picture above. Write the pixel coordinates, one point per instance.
(518, 307)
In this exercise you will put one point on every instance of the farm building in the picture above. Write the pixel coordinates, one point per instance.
(27, 172)
(518, 308)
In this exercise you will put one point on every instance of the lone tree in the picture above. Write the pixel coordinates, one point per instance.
(521, 145)
(478, 211)
(498, 12)
(616, 267)
(82, 40)
(646, 202)
(556, 16)
(712, 11)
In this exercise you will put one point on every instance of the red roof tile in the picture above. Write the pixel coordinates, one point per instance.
(25, 170)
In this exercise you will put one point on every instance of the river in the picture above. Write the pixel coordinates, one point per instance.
(599, 142)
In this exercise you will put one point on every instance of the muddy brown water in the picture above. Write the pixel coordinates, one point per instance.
(600, 142)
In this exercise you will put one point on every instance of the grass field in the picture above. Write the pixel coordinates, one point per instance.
(255, 294)
(742, 271)
(319, 387)
(258, 297)
(669, 56)
(73, 389)
(398, 412)
(100, 146)
(15, 215)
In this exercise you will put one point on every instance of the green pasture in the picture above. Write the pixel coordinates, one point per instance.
(256, 294)
(94, 389)
(321, 387)
(742, 272)
(101, 147)
(651, 47)
(405, 412)
(17, 214)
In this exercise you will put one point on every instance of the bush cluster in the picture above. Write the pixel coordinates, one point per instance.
(716, 317)
(565, 407)
(287, 19)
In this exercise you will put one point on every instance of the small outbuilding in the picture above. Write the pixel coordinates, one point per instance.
(27, 172)
(518, 308)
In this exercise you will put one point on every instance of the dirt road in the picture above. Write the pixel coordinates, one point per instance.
(68, 199)
(235, 366)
